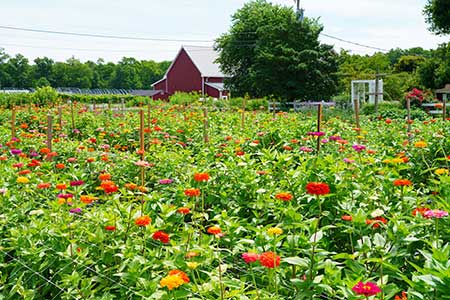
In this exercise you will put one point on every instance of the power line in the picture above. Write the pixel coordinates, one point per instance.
(354, 43)
(104, 36)
(249, 42)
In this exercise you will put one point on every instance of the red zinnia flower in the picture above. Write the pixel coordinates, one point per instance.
(420, 210)
(402, 297)
(284, 196)
(161, 236)
(376, 222)
(110, 228)
(192, 192)
(43, 185)
(317, 188)
(269, 260)
(199, 177)
(366, 289)
(143, 221)
(347, 218)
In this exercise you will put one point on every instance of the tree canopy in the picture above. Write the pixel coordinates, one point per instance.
(268, 51)
(437, 15)
(129, 73)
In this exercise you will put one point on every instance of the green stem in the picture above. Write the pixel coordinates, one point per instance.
(311, 271)
(254, 281)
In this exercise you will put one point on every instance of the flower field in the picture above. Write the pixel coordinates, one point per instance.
(180, 203)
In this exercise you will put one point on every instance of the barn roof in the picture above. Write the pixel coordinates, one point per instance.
(204, 59)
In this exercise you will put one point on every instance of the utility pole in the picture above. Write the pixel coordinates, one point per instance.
(299, 11)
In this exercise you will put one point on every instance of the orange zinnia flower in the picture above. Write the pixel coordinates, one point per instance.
(43, 185)
(402, 182)
(201, 177)
(61, 186)
(284, 196)
(181, 274)
(192, 192)
(143, 221)
(104, 176)
(269, 260)
(184, 210)
(214, 230)
(60, 166)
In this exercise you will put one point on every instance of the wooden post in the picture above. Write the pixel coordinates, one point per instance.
(356, 106)
(205, 125)
(273, 108)
(13, 122)
(60, 117)
(319, 118)
(148, 116)
(49, 130)
(444, 108)
(243, 114)
(141, 132)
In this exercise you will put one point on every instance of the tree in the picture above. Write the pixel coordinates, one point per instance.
(42, 71)
(408, 63)
(126, 74)
(268, 51)
(437, 15)
(19, 71)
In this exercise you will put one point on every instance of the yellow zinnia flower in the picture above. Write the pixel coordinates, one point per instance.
(171, 282)
(420, 144)
(274, 231)
(22, 179)
(441, 172)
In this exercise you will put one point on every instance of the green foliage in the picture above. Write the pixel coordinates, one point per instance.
(184, 98)
(408, 63)
(369, 109)
(46, 95)
(268, 52)
(437, 16)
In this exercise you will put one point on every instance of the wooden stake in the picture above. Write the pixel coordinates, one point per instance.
(319, 118)
(49, 131)
(148, 116)
(444, 109)
(244, 102)
(13, 122)
(60, 117)
(72, 116)
(356, 106)
(141, 132)
(205, 125)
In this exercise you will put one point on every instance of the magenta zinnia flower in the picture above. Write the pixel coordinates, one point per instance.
(435, 213)
(359, 148)
(366, 289)
(76, 182)
(316, 133)
(165, 181)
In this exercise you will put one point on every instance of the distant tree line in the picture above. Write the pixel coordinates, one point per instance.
(129, 73)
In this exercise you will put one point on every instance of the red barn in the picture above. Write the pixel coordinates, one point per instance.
(193, 69)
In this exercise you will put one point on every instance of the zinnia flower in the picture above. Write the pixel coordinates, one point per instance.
(420, 210)
(376, 222)
(402, 297)
(317, 188)
(284, 196)
(347, 218)
(199, 177)
(43, 185)
(161, 236)
(61, 186)
(192, 192)
(182, 275)
(75, 210)
(358, 148)
(171, 282)
(214, 230)
(184, 210)
(250, 257)
(420, 144)
(143, 221)
(269, 260)
(110, 228)
(435, 213)
(165, 181)
(366, 289)
(104, 176)
(402, 182)
(22, 179)
(274, 231)
(76, 183)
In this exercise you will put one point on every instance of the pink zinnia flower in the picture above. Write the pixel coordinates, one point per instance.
(435, 213)
(142, 163)
(366, 289)
(250, 257)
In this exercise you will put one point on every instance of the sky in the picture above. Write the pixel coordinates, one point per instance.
(384, 24)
